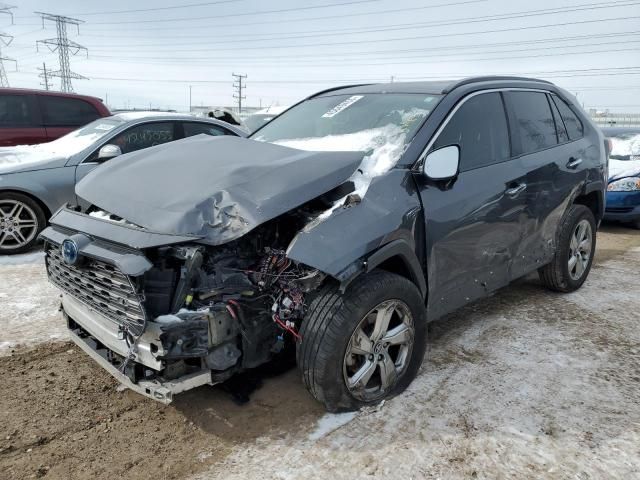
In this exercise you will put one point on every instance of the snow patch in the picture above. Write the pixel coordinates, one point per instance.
(22, 259)
(623, 168)
(627, 145)
(331, 422)
(383, 147)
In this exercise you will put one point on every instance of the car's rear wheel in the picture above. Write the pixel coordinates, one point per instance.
(364, 345)
(574, 251)
(21, 220)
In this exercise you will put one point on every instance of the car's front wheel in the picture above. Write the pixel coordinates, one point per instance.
(21, 220)
(364, 345)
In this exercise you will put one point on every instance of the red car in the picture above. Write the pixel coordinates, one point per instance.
(38, 116)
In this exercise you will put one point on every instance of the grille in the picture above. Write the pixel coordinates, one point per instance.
(618, 209)
(100, 286)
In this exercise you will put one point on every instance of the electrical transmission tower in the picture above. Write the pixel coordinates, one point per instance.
(239, 86)
(5, 40)
(64, 47)
(45, 77)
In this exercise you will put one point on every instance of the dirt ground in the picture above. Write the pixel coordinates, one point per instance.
(525, 384)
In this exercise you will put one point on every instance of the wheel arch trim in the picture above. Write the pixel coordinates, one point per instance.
(402, 250)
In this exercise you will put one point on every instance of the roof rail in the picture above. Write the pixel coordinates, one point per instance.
(490, 78)
(338, 88)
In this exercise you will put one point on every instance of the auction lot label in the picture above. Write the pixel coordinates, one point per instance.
(341, 106)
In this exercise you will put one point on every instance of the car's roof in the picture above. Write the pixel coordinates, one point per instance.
(47, 92)
(435, 87)
(127, 116)
(168, 116)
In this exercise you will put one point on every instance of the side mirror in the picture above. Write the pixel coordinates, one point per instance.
(442, 164)
(109, 151)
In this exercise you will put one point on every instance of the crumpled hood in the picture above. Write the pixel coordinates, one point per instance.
(217, 188)
(23, 158)
(623, 168)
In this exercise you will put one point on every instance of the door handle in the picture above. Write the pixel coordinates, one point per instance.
(514, 191)
(574, 162)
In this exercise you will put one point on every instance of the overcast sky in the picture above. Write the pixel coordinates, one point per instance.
(148, 52)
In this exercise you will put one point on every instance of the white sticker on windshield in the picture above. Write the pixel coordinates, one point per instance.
(104, 126)
(341, 106)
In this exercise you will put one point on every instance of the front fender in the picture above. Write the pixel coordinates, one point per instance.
(53, 187)
(342, 244)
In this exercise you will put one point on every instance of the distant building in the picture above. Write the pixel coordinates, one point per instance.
(605, 118)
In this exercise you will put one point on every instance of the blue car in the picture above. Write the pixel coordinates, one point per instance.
(623, 190)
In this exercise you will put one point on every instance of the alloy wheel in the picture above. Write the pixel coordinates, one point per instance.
(580, 249)
(18, 224)
(379, 350)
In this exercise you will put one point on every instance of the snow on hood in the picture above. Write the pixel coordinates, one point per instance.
(625, 145)
(383, 147)
(623, 168)
(44, 155)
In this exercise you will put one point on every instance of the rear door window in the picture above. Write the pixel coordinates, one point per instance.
(66, 112)
(15, 111)
(575, 129)
(479, 128)
(194, 128)
(533, 121)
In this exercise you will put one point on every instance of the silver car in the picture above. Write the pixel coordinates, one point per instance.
(35, 180)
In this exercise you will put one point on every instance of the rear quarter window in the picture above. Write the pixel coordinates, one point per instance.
(14, 111)
(66, 112)
(575, 129)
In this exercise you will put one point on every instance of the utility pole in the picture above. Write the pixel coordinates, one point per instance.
(190, 99)
(64, 47)
(239, 86)
(44, 76)
(5, 40)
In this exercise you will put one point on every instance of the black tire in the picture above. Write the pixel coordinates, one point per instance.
(33, 209)
(329, 324)
(556, 275)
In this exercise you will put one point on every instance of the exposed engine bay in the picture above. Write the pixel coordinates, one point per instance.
(231, 307)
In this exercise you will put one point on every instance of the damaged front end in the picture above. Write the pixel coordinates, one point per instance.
(167, 318)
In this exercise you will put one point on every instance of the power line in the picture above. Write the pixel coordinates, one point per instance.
(228, 15)
(327, 17)
(63, 46)
(403, 26)
(618, 71)
(423, 59)
(416, 37)
(154, 9)
(382, 53)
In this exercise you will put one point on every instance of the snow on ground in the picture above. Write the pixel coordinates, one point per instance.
(29, 311)
(36, 256)
(527, 384)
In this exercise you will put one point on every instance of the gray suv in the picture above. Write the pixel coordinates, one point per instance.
(337, 230)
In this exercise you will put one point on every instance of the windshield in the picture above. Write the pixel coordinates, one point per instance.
(76, 141)
(254, 122)
(625, 146)
(365, 122)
